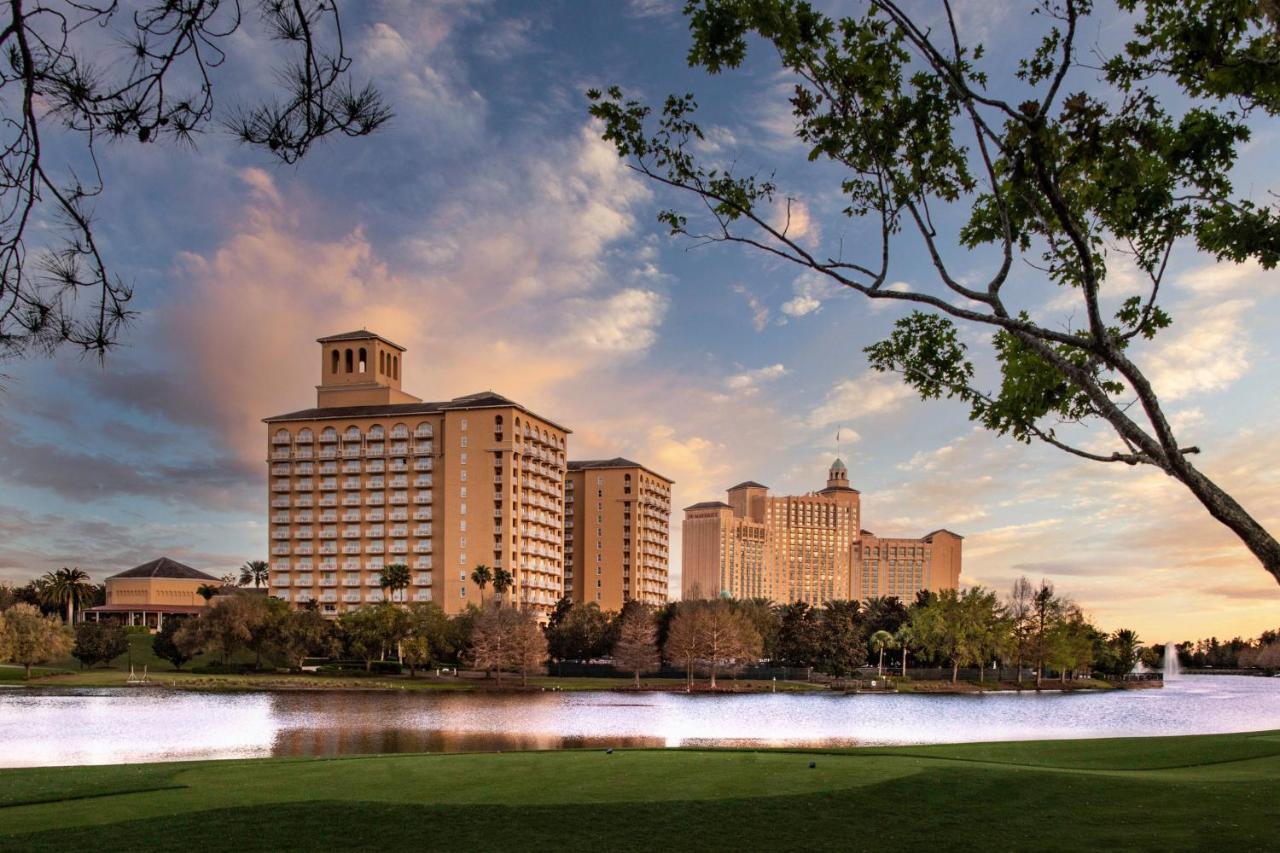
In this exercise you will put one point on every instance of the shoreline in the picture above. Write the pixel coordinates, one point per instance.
(293, 683)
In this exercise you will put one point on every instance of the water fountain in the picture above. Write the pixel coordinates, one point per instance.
(1172, 669)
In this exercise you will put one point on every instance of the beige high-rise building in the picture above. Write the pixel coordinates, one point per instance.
(374, 476)
(617, 516)
(808, 548)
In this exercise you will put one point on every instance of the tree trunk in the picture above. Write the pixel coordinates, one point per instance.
(955, 670)
(1225, 509)
(904, 661)
(637, 679)
(982, 674)
(713, 675)
(71, 610)
(880, 667)
(28, 675)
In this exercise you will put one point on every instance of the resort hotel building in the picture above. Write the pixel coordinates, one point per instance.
(617, 515)
(809, 548)
(373, 475)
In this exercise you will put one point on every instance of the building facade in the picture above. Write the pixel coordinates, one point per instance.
(146, 594)
(808, 548)
(373, 476)
(617, 518)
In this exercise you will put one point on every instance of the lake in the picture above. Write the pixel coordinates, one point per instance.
(41, 726)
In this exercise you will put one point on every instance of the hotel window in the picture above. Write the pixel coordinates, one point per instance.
(462, 475)
(462, 509)
(463, 425)
(462, 442)
(462, 525)
(462, 492)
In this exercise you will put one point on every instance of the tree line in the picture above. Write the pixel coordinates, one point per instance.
(1032, 630)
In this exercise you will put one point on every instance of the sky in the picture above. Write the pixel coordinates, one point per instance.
(491, 231)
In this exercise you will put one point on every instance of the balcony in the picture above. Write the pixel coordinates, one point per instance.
(304, 484)
(374, 466)
(280, 534)
(374, 500)
(280, 580)
(422, 498)
(374, 548)
(326, 516)
(423, 448)
(375, 483)
(328, 533)
(399, 499)
(422, 514)
(329, 596)
(303, 453)
(280, 454)
(327, 500)
(422, 579)
(351, 580)
(328, 580)
(374, 515)
(351, 467)
(302, 580)
(351, 597)
(281, 550)
(328, 548)
(351, 548)
(351, 532)
(375, 449)
(423, 464)
(422, 482)
(329, 484)
(280, 502)
(327, 453)
(351, 452)
(399, 548)
(351, 515)
(422, 595)
(422, 563)
(351, 500)
(424, 431)
(400, 432)
(374, 579)
(422, 530)
(280, 486)
(422, 548)
(353, 484)
(375, 531)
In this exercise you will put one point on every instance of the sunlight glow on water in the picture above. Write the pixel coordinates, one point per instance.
(42, 727)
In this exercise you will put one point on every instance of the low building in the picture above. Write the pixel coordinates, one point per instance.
(146, 594)
(808, 548)
(617, 520)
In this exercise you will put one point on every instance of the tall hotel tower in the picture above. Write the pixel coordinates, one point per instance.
(617, 519)
(373, 476)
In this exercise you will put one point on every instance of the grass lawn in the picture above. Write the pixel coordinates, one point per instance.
(1218, 792)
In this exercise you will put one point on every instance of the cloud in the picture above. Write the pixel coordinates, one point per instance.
(868, 394)
(1210, 354)
(792, 218)
(809, 289)
(759, 311)
(625, 322)
(748, 382)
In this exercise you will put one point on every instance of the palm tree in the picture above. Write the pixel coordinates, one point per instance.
(880, 641)
(502, 581)
(66, 588)
(394, 577)
(254, 572)
(207, 590)
(904, 638)
(480, 576)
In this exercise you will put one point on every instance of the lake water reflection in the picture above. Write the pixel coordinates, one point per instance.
(46, 727)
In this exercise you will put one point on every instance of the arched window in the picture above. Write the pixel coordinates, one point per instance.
(282, 436)
(334, 358)
(350, 360)
(305, 436)
(382, 363)
(364, 360)
(329, 434)
(375, 431)
(395, 367)
(352, 434)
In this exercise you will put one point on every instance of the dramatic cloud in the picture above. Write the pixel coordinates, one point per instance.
(749, 381)
(625, 322)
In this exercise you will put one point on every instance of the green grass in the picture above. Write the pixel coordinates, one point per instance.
(1217, 792)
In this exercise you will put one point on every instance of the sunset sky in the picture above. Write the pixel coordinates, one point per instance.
(490, 219)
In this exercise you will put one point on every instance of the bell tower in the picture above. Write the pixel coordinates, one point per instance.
(360, 369)
(838, 476)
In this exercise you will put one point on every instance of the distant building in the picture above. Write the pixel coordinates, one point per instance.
(373, 475)
(617, 519)
(808, 548)
(145, 594)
